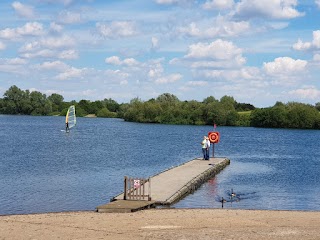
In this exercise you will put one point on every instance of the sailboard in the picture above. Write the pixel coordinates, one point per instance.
(71, 118)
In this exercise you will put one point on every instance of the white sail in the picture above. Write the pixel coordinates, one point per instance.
(71, 116)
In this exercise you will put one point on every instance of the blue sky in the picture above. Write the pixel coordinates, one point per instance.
(257, 51)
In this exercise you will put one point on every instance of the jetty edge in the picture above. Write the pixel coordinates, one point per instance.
(170, 186)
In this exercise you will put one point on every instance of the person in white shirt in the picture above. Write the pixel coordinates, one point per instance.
(204, 147)
(207, 148)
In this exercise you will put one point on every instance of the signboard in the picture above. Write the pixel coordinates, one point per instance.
(136, 183)
(214, 137)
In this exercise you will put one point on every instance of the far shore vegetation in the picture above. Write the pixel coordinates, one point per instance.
(167, 109)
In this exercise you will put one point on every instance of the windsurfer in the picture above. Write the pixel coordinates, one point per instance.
(67, 127)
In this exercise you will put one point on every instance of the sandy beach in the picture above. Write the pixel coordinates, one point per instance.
(164, 224)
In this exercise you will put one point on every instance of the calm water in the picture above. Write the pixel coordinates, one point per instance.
(43, 169)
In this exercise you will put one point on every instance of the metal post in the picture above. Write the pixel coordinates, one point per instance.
(125, 188)
(213, 150)
(149, 189)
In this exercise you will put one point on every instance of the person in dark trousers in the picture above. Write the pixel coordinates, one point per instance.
(204, 147)
(207, 148)
(67, 127)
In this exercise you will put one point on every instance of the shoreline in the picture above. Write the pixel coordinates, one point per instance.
(164, 224)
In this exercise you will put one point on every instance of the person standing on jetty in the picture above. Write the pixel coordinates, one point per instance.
(207, 148)
(204, 147)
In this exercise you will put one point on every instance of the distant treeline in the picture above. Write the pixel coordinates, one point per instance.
(168, 109)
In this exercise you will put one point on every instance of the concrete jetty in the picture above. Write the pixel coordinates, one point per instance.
(171, 185)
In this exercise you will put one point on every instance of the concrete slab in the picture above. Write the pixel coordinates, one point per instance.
(124, 206)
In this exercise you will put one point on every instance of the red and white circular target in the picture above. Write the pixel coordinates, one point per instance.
(214, 137)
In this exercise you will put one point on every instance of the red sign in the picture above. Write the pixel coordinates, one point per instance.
(136, 183)
(214, 137)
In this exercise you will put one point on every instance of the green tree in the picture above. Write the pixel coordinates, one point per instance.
(258, 117)
(241, 107)
(111, 104)
(151, 111)
(232, 117)
(16, 101)
(57, 102)
(302, 115)
(40, 104)
(85, 105)
(192, 112)
(95, 107)
(228, 102)
(134, 112)
(167, 99)
(104, 112)
(244, 119)
(210, 99)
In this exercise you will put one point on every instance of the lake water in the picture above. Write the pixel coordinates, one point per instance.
(43, 169)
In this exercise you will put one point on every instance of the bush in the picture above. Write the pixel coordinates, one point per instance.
(105, 113)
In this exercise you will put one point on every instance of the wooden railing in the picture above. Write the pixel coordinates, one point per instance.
(137, 189)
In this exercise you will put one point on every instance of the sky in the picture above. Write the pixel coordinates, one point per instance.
(257, 51)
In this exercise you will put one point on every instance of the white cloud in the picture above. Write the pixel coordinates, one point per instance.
(13, 61)
(67, 17)
(72, 72)
(284, 66)
(219, 54)
(197, 83)
(219, 27)
(29, 29)
(68, 54)
(130, 62)
(124, 82)
(115, 60)
(2, 46)
(219, 50)
(47, 53)
(13, 65)
(54, 27)
(169, 79)
(300, 46)
(50, 43)
(117, 29)
(23, 10)
(60, 47)
(306, 93)
(64, 2)
(275, 9)
(316, 39)
(58, 42)
(55, 65)
(317, 3)
(315, 44)
(241, 75)
(155, 71)
(89, 92)
(316, 57)
(154, 43)
(166, 1)
(170, 2)
(218, 4)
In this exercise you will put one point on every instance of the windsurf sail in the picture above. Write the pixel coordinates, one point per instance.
(71, 116)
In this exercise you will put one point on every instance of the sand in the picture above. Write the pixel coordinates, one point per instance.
(164, 224)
